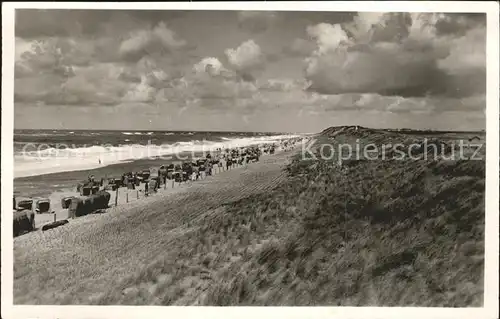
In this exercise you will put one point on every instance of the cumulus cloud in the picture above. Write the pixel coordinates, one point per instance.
(48, 56)
(209, 83)
(212, 80)
(159, 39)
(246, 58)
(41, 68)
(215, 85)
(21, 47)
(394, 54)
(107, 71)
(328, 37)
(209, 65)
(369, 27)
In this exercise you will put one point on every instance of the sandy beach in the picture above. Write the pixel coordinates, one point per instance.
(111, 245)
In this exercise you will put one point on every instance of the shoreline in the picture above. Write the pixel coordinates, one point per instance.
(125, 196)
(133, 152)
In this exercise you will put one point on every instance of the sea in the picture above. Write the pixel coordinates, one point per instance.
(54, 161)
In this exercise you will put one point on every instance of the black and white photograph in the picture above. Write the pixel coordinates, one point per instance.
(250, 156)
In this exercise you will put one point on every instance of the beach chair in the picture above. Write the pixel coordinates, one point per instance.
(23, 204)
(162, 173)
(100, 200)
(43, 206)
(66, 201)
(170, 171)
(94, 189)
(76, 208)
(130, 184)
(146, 174)
(112, 184)
(187, 170)
(86, 191)
(153, 184)
(178, 176)
(23, 221)
(139, 178)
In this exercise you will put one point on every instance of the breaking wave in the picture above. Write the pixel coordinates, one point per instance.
(36, 161)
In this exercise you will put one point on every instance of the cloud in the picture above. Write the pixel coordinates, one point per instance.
(37, 23)
(223, 85)
(142, 92)
(283, 85)
(58, 56)
(21, 47)
(215, 85)
(256, 21)
(86, 71)
(300, 48)
(395, 54)
(210, 83)
(379, 27)
(465, 63)
(328, 37)
(42, 67)
(209, 65)
(246, 58)
(46, 56)
(393, 65)
(97, 85)
(158, 40)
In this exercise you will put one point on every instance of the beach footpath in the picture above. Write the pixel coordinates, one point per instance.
(89, 253)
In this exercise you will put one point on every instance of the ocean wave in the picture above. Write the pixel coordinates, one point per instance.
(131, 133)
(54, 160)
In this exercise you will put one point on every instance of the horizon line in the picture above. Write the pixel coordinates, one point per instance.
(232, 131)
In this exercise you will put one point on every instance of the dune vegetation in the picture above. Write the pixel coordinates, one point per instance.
(365, 233)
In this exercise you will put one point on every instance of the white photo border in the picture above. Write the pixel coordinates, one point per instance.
(490, 308)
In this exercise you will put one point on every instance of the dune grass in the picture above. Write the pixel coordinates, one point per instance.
(369, 233)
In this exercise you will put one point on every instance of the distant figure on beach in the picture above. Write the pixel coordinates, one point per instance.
(99, 161)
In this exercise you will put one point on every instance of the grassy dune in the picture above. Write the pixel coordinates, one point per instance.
(369, 233)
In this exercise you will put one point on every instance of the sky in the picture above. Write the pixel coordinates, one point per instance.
(248, 71)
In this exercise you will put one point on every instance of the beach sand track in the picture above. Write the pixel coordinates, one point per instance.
(90, 253)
